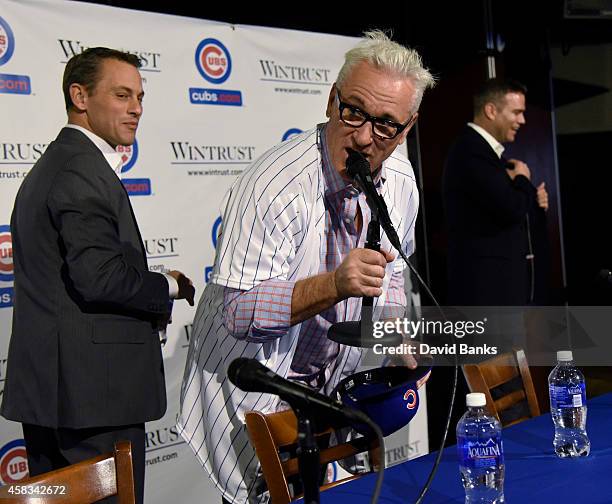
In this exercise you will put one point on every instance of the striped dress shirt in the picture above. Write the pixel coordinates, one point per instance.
(267, 306)
(275, 218)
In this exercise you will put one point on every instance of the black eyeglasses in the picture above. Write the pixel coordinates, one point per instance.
(355, 117)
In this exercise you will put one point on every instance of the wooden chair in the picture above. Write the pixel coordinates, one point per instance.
(506, 382)
(274, 437)
(84, 483)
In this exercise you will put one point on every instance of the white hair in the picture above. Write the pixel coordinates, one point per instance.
(377, 49)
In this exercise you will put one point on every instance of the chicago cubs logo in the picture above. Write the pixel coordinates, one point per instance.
(216, 229)
(7, 42)
(213, 61)
(133, 186)
(411, 397)
(331, 474)
(6, 254)
(13, 462)
(129, 154)
(290, 133)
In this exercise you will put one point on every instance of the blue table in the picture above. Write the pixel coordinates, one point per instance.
(534, 474)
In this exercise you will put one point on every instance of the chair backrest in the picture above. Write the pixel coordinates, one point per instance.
(85, 482)
(506, 382)
(274, 437)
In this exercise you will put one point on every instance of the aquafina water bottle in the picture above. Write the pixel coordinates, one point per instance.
(481, 453)
(568, 407)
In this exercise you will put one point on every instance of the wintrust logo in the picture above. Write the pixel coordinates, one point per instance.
(15, 153)
(19, 158)
(188, 153)
(159, 250)
(211, 160)
(294, 74)
(296, 79)
(150, 61)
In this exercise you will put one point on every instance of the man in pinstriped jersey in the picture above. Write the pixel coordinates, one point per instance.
(290, 259)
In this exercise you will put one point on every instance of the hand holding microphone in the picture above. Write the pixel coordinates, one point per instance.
(361, 273)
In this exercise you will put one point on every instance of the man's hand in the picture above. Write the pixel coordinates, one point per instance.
(164, 320)
(411, 361)
(186, 288)
(361, 273)
(404, 359)
(542, 196)
(520, 168)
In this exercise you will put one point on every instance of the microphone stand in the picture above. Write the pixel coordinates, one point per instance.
(309, 463)
(372, 243)
(361, 333)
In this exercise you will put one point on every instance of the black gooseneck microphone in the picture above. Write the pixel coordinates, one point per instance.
(361, 333)
(250, 375)
(358, 168)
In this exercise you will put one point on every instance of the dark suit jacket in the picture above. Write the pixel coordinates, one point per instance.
(84, 350)
(486, 213)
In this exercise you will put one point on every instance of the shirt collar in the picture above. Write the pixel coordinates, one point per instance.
(113, 158)
(491, 140)
(334, 183)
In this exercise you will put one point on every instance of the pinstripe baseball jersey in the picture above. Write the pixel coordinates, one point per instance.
(273, 227)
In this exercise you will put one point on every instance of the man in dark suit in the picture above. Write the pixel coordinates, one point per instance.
(487, 199)
(85, 366)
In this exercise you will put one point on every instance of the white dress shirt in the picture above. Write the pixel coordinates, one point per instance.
(491, 140)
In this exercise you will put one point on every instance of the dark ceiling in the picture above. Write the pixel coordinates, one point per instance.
(448, 34)
(406, 18)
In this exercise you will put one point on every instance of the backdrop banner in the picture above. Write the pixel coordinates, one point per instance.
(217, 96)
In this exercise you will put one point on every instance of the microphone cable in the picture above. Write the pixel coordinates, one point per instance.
(451, 404)
(359, 169)
(381, 453)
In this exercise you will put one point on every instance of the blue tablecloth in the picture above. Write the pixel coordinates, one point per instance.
(534, 474)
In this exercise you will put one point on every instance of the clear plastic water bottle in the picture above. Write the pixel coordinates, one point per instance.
(568, 408)
(481, 453)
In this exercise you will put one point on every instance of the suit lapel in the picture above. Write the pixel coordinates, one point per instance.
(74, 136)
(142, 247)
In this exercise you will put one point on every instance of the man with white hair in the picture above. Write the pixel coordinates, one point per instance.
(290, 259)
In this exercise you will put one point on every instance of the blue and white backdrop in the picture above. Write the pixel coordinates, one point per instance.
(217, 96)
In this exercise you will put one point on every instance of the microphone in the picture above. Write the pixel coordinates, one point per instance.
(249, 375)
(360, 333)
(358, 168)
